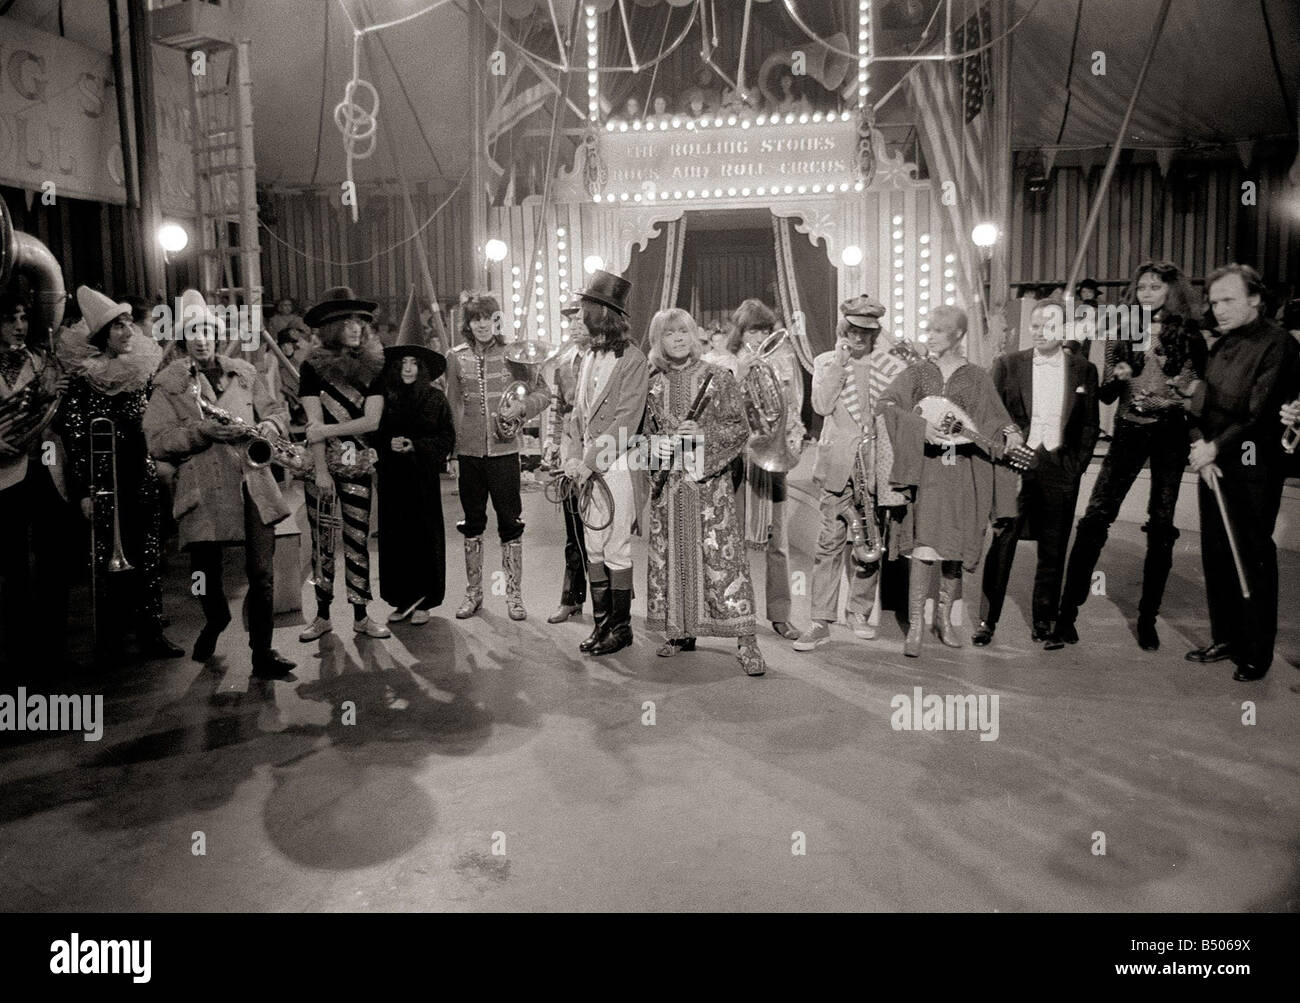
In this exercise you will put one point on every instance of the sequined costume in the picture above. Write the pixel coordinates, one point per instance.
(699, 583)
(137, 492)
(342, 381)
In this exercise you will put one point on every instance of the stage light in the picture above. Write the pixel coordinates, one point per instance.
(898, 220)
(677, 122)
(851, 256)
(496, 250)
(173, 237)
(817, 116)
(984, 234)
(593, 263)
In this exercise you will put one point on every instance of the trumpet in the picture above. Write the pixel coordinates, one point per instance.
(1291, 437)
(868, 546)
(102, 429)
(765, 407)
(327, 524)
(262, 448)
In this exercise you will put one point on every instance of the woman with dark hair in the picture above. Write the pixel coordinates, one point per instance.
(112, 366)
(340, 391)
(1153, 374)
(487, 445)
(415, 437)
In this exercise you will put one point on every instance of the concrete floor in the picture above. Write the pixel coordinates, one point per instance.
(466, 729)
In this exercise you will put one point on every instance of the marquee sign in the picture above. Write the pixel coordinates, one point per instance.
(58, 120)
(728, 159)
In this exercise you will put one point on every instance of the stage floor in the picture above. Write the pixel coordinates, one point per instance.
(485, 734)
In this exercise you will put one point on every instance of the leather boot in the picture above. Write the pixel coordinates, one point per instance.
(512, 562)
(1088, 543)
(1155, 575)
(599, 588)
(918, 589)
(473, 578)
(949, 586)
(618, 632)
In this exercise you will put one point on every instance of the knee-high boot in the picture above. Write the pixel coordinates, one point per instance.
(949, 586)
(512, 562)
(918, 590)
(1155, 575)
(618, 625)
(598, 577)
(473, 578)
(1088, 543)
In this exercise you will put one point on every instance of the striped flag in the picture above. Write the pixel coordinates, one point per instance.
(951, 107)
(886, 364)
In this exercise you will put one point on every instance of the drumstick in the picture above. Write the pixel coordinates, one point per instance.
(1232, 539)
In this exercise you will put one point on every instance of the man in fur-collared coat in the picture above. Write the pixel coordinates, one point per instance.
(219, 497)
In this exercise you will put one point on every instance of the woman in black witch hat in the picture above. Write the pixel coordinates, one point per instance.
(414, 440)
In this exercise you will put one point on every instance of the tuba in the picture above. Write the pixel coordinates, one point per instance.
(765, 407)
(25, 414)
(103, 447)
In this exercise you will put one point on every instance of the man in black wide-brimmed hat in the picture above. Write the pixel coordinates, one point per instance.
(607, 417)
(338, 386)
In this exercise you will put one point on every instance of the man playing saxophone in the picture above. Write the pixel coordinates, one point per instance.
(221, 498)
(844, 387)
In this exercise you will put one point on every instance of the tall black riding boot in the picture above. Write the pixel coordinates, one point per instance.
(618, 629)
(599, 579)
(1088, 544)
(1155, 575)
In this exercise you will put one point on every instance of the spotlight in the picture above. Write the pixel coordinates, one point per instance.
(496, 250)
(173, 237)
(593, 263)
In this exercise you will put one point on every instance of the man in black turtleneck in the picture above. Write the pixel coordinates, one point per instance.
(1254, 368)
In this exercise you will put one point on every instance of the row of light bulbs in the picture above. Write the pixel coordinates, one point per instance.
(650, 195)
(719, 121)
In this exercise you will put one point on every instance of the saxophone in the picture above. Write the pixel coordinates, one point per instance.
(868, 547)
(262, 449)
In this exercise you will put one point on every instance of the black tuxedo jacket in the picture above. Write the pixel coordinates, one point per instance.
(1013, 375)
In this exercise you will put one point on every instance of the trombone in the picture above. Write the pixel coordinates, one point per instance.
(103, 443)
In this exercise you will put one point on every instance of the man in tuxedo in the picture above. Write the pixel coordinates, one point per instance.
(1051, 396)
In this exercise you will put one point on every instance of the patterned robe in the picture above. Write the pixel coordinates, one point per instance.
(699, 576)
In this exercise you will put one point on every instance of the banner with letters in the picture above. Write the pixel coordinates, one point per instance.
(58, 120)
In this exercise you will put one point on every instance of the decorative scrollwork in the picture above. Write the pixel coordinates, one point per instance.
(594, 173)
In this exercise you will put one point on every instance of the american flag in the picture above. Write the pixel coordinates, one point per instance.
(886, 364)
(951, 107)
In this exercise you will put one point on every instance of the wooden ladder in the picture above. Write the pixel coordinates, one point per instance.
(225, 179)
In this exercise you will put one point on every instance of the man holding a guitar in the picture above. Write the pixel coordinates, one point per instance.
(1051, 396)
